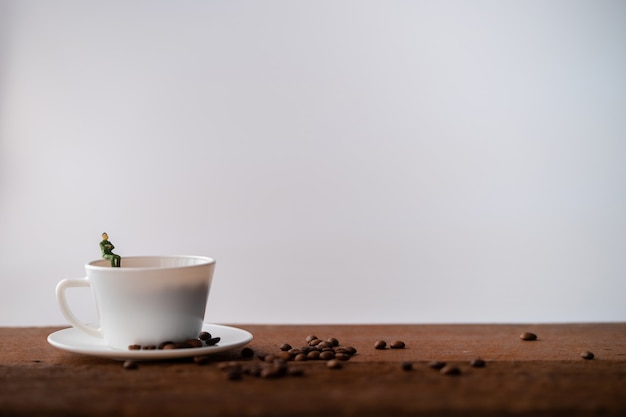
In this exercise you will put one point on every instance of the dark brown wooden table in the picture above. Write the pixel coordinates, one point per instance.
(546, 377)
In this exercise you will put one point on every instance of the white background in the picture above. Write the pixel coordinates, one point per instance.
(344, 161)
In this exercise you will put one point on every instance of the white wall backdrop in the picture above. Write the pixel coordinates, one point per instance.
(344, 161)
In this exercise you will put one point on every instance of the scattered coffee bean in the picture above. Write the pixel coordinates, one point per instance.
(285, 347)
(315, 342)
(333, 341)
(380, 344)
(291, 371)
(310, 338)
(334, 364)
(284, 355)
(204, 336)
(201, 360)
(129, 364)
(234, 374)
(350, 350)
(327, 355)
(397, 344)
(450, 370)
(437, 364)
(406, 366)
(134, 347)
(342, 356)
(587, 355)
(477, 363)
(528, 336)
(313, 355)
(247, 352)
(300, 357)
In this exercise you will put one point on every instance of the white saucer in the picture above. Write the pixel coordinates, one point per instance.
(73, 340)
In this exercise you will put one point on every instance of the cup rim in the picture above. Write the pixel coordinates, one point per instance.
(201, 261)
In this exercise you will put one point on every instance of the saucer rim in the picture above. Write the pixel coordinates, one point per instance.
(93, 346)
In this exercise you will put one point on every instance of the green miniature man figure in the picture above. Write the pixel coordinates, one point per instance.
(106, 247)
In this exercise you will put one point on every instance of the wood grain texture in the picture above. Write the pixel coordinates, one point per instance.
(544, 377)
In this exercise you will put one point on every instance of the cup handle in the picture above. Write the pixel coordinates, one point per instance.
(65, 309)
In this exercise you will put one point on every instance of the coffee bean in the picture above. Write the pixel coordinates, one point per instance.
(437, 364)
(406, 366)
(450, 370)
(196, 343)
(315, 342)
(163, 344)
(397, 344)
(134, 347)
(327, 355)
(234, 374)
(212, 341)
(380, 344)
(129, 364)
(247, 352)
(333, 341)
(284, 355)
(587, 355)
(300, 357)
(342, 356)
(310, 338)
(528, 336)
(149, 347)
(204, 336)
(313, 355)
(169, 346)
(285, 347)
(333, 364)
(477, 363)
(201, 360)
(351, 350)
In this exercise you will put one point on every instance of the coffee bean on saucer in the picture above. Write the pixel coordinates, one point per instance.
(169, 346)
(196, 343)
(134, 347)
(587, 355)
(204, 336)
(163, 344)
(528, 336)
(380, 344)
(212, 341)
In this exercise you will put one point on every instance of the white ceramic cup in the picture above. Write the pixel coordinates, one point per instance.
(146, 301)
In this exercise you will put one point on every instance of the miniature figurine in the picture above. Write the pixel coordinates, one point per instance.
(106, 247)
